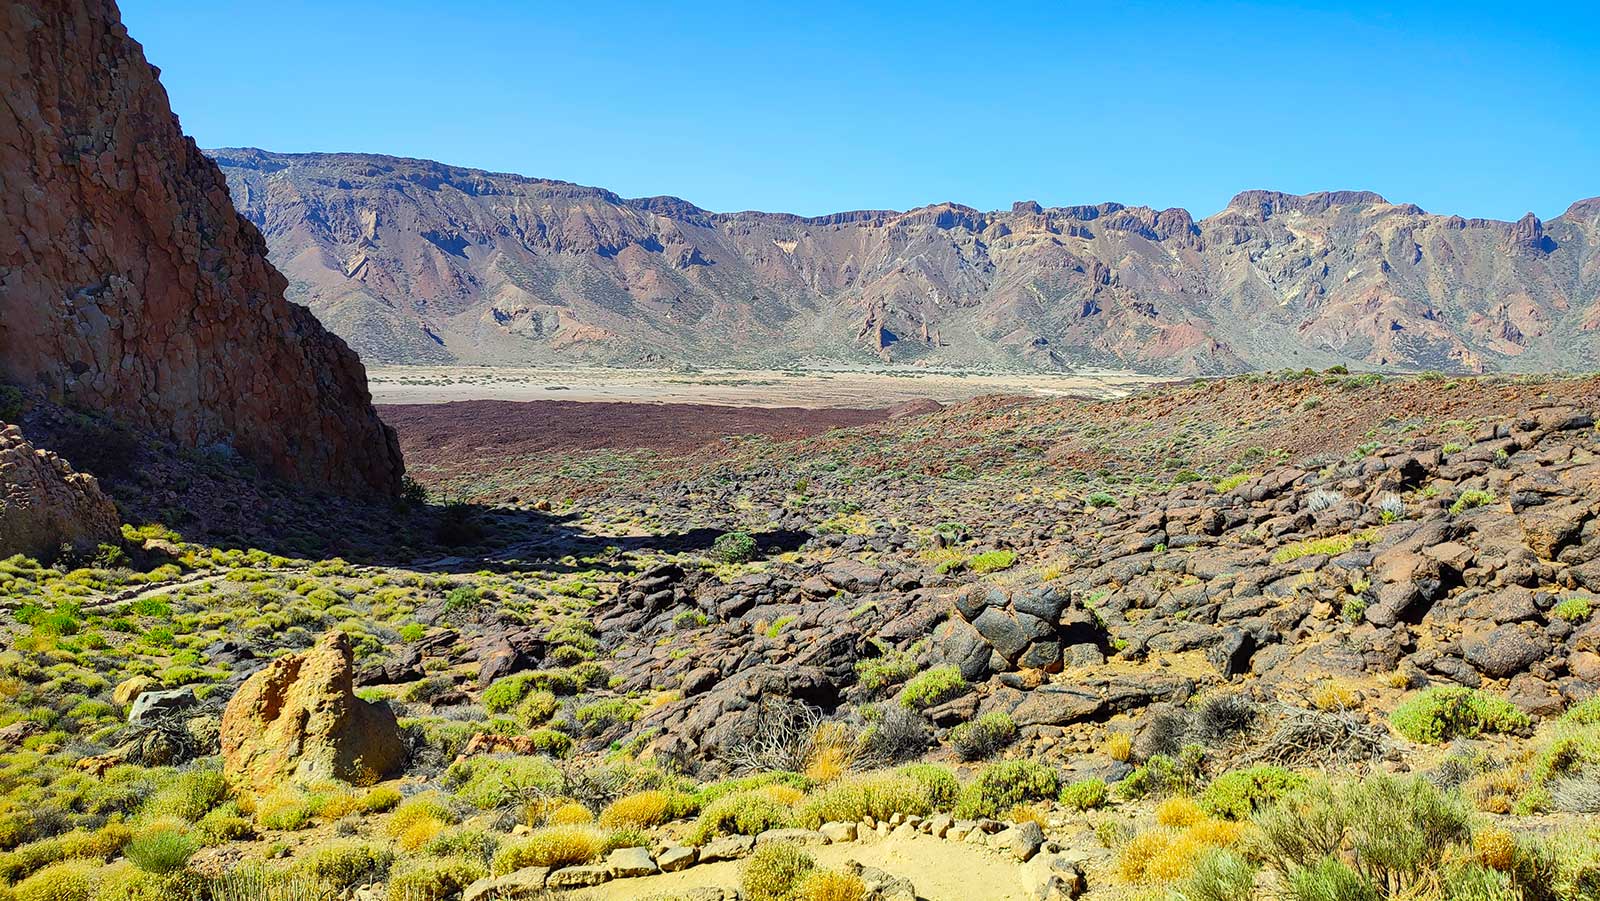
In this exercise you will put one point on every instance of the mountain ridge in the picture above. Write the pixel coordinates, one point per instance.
(479, 267)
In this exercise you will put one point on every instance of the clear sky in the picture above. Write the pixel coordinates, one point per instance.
(813, 107)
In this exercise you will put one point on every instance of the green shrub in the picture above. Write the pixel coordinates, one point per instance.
(471, 844)
(879, 795)
(491, 782)
(347, 863)
(744, 813)
(189, 796)
(1470, 499)
(773, 871)
(875, 674)
(628, 837)
(734, 547)
(1584, 713)
(1238, 794)
(598, 716)
(552, 846)
(991, 561)
(1574, 609)
(10, 403)
(161, 850)
(1085, 794)
(434, 879)
(552, 742)
(536, 708)
(224, 824)
(1220, 875)
(72, 880)
(934, 687)
(982, 737)
(1163, 775)
(1100, 499)
(940, 785)
(1004, 785)
(1329, 880)
(1394, 832)
(1446, 712)
(504, 694)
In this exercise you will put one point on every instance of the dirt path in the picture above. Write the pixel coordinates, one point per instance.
(940, 870)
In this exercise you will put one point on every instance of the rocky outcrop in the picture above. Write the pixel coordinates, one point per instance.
(299, 719)
(413, 260)
(130, 286)
(45, 505)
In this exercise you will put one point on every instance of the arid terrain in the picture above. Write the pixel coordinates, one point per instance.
(856, 388)
(846, 633)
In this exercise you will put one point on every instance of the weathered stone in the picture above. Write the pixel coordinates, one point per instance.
(792, 836)
(677, 857)
(525, 884)
(627, 862)
(44, 503)
(578, 877)
(299, 719)
(1231, 654)
(131, 688)
(838, 833)
(728, 847)
(152, 706)
(1505, 650)
(1021, 841)
(1056, 705)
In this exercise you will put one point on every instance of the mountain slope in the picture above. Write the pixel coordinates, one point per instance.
(415, 261)
(130, 286)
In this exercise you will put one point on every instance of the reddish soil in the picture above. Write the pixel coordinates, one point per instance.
(463, 432)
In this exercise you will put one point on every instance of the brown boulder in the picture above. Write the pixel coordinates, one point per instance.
(299, 719)
(44, 504)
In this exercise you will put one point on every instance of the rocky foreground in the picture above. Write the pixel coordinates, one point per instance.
(1130, 639)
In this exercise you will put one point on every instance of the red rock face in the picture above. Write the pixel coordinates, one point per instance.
(128, 283)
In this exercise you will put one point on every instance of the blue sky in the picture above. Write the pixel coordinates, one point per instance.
(814, 107)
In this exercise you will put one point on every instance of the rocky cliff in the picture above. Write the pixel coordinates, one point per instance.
(130, 286)
(45, 505)
(416, 261)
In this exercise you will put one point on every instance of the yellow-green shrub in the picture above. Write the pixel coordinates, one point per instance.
(745, 813)
(773, 871)
(830, 885)
(72, 880)
(433, 879)
(552, 846)
(347, 863)
(878, 795)
(641, 809)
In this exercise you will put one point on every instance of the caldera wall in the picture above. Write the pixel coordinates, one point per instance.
(130, 286)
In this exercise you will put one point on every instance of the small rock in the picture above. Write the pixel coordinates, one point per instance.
(838, 833)
(792, 836)
(729, 847)
(677, 857)
(627, 862)
(1021, 841)
(578, 877)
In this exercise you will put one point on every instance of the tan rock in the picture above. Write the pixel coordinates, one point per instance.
(299, 719)
(130, 689)
(44, 504)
